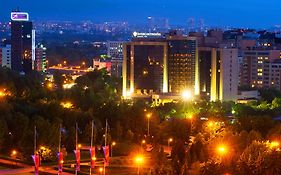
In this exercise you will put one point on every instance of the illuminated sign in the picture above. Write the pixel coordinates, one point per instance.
(19, 16)
(145, 35)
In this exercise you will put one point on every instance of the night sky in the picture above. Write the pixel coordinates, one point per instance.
(244, 13)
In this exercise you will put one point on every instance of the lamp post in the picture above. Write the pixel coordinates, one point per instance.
(100, 170)
(112, 145)
(186, 95)
(139, 160)
(169, 141)
(148, 116)
(222, 150)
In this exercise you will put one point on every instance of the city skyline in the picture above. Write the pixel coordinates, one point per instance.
(240, 14)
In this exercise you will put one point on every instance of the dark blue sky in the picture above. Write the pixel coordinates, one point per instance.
(245, 13)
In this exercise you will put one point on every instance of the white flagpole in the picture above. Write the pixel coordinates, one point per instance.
(35, 140)
(105, 145)
(59, 145)
(60, 138)
(92, 134)
(35, 133)
(76, 141)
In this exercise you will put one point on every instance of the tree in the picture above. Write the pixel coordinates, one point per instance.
(211, 167)
(259, 158)
(178, 157)
(161, 165)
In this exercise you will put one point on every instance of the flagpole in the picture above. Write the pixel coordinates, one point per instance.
(35, 140)
(92, 134)
(105, 145)
(59, 148)
(35, 133)
(60, 138)
(76, 141)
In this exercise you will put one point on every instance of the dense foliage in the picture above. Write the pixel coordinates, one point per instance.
(196, 128)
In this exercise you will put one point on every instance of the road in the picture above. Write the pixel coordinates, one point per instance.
(24, 168)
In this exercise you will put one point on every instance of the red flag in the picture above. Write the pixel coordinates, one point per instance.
(36, 163)
(77, 156)
(106, 154)
(93, 157)
(60, 162)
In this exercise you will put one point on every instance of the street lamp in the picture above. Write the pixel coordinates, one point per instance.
(222, 150)
(50, 85)
(139, 160)
(274, 144)
(100, 170)
(14, 153)
(2, 93)
(142, 142)
(112, 145)
(169, 141)
(186, 95)
(148, 116)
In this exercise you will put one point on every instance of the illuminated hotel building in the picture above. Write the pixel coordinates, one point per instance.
(174, 63)
(218, 73)
(182, 64)
(160, 65)
(22, 42)
(145, 67)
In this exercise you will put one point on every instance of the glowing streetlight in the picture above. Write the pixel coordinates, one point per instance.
(14, 153)
(148, 116)
(50, 85)
(79, 146)
(142, 142)
(2, 93)
(211, 124)
(222, 150)
(274, 144)
(112, 145)
(169, 141)
(100, 170)
(186, 95)
(139, 160)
